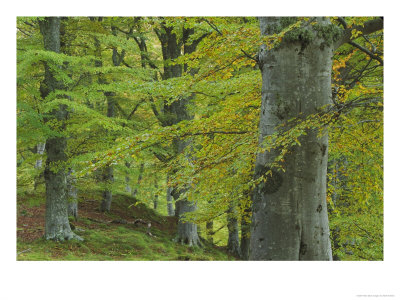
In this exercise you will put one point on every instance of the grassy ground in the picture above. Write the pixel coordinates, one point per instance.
(105, 237)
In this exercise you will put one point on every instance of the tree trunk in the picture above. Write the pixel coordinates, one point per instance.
(108, 171)
(187, 231)
(209, 232)
(56, 223)
(108, 179)
(244, 238)
(176, 112)
(40, 150)
(290, 219)
(128, 188)
(134, 193)
(72, 195)
(170, 204)
(155, 201)
(233, 231)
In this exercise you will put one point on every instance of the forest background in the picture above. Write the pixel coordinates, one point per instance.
(221, 277)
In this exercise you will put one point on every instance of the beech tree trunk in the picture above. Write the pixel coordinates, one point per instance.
(107, 179)
(134, 193)
(72, 195)
(170, 204)
(244, 238)
(290, 219)
(174, 113)
(210, 232)
(233, 231)
(155, 200)
(39, 150)
(56, 223)
(128, 188)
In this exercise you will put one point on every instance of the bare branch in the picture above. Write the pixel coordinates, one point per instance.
(213, 26)
(365, 50)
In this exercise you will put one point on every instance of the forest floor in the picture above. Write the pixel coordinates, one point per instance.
(121, 234)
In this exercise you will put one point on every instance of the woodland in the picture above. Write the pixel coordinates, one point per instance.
(200, 138)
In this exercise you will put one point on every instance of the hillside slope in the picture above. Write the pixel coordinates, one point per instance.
(122, 234)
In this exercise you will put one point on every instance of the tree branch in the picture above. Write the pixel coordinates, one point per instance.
(213, 26)
(368, 28)
(365, 50)
(214, 132)
(249, 56)
(134, 110)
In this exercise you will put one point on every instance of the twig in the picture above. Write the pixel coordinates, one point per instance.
(365, 50)
(213, 26)
(27, 250)
(249, 56)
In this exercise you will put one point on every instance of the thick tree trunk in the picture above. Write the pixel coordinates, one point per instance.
(187, 231)
(290, 219)
(56, 223)
(177, 111)
(233, 231)
(108, 179)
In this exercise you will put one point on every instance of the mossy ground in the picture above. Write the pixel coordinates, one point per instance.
(104, 240)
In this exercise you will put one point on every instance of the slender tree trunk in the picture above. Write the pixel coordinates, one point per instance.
(245, 223)
(170, 204)
(209, 232)
(56, 224)
(40, 147)
(72, 195)
(128, 188)
(233, 231)
(40, 150)
(290, 219)
(245, 237)
(108, 171)
(155, 201)
(134, 193)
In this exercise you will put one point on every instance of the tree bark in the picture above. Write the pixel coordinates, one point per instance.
(56, 223)
(128, 188)
(155, 200)
(245, 237)
(40, 150)
(170, 204)
(233, 231)
(72, 195)
(174, 113)
(209, 232)
(290, 219)
(107, 179)
(134, 193)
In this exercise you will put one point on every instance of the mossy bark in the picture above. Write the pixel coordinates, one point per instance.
(56, 223)
(289, 213)
(173, 113)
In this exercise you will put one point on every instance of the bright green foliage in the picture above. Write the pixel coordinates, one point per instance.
(225, 105)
